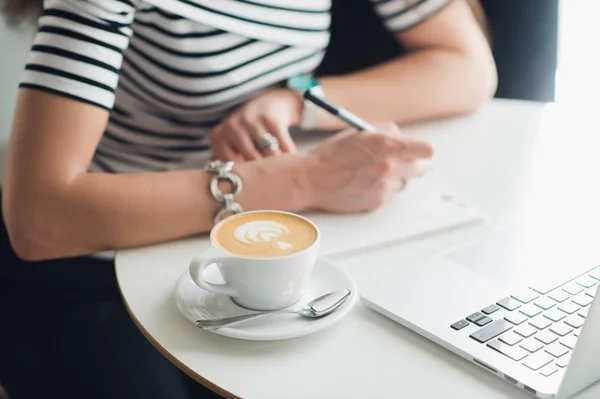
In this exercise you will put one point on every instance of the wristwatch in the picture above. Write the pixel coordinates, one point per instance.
(301, 84)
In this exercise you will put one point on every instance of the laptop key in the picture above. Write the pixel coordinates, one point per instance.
(569, 341)
(559, 296)
(545, 303)
(582, 299)
(491, 331)
(555, 315)
(586, 281)
(546, 337)
(548, 370)
(525, 330)
(543, 288)
(592, 292)
(531, 345)
(459, 325)
(572, 288)
(509, 303)
(530, 310)
(569, 307)
(595, 273)
(563, 361)
(540, 322)
(490, 309)
(510, 338)
(556, 349)
(526, 296)
(583, 312)
(514, 352)
(475, 316)
(575, 321)
(484, 321)
(516, 318)
(538, 360)
(561, 329)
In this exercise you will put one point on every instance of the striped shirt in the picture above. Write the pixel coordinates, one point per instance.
(169, 70)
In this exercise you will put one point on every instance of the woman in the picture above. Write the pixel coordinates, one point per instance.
(119, 104)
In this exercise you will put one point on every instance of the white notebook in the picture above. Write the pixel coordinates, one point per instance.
(423, 208)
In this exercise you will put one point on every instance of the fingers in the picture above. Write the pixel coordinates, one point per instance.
(388, 128)
(411, 170)
(237, 139)
(257, 132)
(390, 176)
(390, 140)
(395, 185)
(396, 170)
(417, 148)
(221, 149)
(239, 135)
(241, 140)
(282, 133)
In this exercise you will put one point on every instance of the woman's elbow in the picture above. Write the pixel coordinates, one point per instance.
(23, 237)
(482, 81)
(25, 248)
(29, 230)
(488, 80)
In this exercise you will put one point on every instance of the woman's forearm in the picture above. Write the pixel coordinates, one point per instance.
(53, 207)
(422, 85)
(98, 211)
(449, 69)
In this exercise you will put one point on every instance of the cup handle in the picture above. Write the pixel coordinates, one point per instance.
(197, 267)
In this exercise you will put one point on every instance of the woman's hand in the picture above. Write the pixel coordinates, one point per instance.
(357, 171)
(271, 112)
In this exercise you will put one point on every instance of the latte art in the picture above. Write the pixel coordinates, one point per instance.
(263, 234)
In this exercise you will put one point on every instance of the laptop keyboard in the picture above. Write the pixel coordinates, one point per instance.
(535, 328)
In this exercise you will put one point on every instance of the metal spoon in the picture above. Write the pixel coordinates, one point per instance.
(318, 307)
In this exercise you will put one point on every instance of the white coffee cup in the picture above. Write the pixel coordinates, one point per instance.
(258, 283)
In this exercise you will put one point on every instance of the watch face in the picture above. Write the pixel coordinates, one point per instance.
(302, 82)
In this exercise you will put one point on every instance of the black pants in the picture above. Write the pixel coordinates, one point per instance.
(64, 332)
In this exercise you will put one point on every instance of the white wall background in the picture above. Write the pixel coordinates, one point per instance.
(14, 46)
(577, 78)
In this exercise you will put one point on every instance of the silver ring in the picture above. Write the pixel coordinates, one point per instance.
(267, 142)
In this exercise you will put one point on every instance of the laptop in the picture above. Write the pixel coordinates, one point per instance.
(519, 302)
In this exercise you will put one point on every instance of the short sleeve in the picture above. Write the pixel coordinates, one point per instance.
(399, 15)
(78, 49)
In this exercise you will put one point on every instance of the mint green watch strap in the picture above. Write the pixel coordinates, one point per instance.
(303, 83)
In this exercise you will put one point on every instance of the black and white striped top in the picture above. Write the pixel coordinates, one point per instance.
(169, 70)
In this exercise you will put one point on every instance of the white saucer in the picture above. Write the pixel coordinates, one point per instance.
(196, 303)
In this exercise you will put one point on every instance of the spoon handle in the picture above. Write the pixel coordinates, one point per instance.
(215, 324)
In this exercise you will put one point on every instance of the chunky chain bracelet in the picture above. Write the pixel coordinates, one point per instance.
(223, 172)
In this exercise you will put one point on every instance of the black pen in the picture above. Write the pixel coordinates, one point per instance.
(341, 113)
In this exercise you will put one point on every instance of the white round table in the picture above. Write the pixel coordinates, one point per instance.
(494, 157)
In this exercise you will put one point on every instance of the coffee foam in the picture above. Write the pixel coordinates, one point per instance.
(264, 234)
